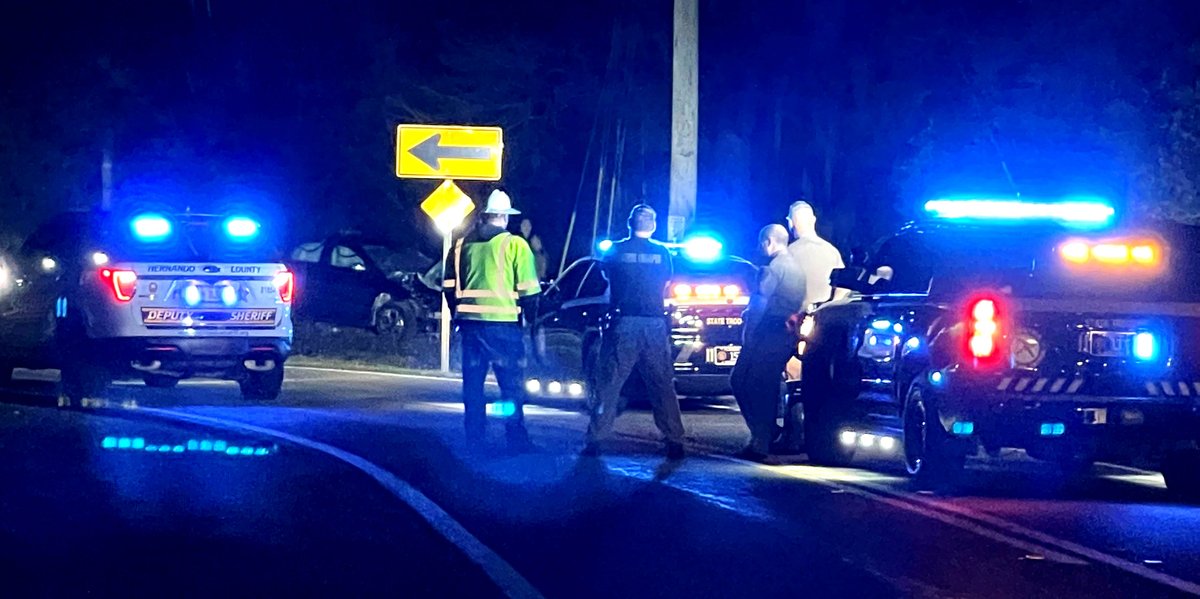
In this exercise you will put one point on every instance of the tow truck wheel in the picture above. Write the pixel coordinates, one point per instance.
(1182, 474)
(83, 379)
(263, 386)
(158, 381)
(928, 457)
(395, 318)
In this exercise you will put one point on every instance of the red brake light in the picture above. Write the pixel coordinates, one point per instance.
(983, 334)
(285, 282)
(122, 282)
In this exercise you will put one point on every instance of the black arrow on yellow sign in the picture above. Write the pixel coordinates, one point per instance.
(432, 152)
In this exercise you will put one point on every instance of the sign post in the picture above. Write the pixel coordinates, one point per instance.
(448, 152)
(448, 206)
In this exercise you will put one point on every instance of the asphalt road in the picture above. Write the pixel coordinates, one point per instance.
(367, 488)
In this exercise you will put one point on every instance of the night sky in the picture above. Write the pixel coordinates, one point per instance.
(866, 108)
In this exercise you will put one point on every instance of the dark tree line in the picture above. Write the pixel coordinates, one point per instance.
(865, 107)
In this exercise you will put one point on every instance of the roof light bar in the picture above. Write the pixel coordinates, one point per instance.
(1076, 212)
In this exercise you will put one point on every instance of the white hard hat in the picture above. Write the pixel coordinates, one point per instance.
(499, 203)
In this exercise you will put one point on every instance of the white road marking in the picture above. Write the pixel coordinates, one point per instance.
(501, 572)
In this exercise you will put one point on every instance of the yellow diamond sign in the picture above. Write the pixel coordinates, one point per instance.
(448, 152)
(447, 206)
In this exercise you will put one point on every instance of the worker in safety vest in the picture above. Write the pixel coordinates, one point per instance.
(492, 288)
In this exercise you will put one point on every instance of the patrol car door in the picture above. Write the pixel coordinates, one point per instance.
(571, 308)
(886, 323)
(350, 287)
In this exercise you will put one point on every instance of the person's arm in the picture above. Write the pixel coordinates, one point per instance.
(525, 279)
(838, 292)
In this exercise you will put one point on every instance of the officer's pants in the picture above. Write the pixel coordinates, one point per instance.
(756, 377)
(498, 345)
(643, 343)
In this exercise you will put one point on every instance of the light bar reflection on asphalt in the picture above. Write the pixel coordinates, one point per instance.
(191, 446)
(1083, 211)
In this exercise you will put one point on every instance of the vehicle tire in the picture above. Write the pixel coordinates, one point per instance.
(396, 318)
(821, 441)
(928, 454)
(262, 386)
(159, 381)
(1181, 470)
(84, 380)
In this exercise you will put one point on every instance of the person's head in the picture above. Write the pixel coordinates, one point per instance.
(772, 239)
(498, 209)
(526, 228)
(643, 221)
(802, 219)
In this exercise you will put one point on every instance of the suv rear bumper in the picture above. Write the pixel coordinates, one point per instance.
(1054, 426)
(209, 357)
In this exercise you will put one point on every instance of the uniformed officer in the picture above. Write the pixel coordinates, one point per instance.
(492, 288)
(767, 341)
(638, 270)
(816, 257)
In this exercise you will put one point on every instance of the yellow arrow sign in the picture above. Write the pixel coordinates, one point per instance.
(447, 206)
(448, 152)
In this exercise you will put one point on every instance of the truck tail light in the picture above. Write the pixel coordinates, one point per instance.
(123, 283)
(285, 282)
(984, 334)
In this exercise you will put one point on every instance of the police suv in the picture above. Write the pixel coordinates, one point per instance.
(152, 295)
(705, 301)
(996, 324)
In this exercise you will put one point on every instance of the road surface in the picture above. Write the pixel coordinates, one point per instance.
(365, 487)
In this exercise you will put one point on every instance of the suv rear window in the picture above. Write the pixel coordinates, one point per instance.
(1028, 261)
(193, 238)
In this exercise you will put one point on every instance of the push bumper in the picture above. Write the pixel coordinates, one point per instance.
(1049, 425)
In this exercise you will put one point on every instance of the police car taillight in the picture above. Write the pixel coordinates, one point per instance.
(123, 283)
(984, 330)
(285, 282)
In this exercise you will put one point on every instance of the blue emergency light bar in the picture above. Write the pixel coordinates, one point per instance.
(702, 248)
(241, 228)
(151, 227)
(1081, 212)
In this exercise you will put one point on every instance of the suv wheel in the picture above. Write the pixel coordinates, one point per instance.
(263, 386)
(159, 381)
(1181, 471)
(928, 455)
(395, 318)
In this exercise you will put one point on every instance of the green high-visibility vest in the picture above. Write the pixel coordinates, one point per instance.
(489, 276)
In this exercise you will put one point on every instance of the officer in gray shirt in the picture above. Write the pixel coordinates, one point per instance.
(768, 342)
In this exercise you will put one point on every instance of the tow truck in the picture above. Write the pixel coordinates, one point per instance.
(149, 294)
(990, 324)
(704, 301)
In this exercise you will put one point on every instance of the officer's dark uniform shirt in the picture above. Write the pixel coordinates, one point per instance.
(638, 270)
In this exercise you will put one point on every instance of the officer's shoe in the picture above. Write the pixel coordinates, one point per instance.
(675, 451)
(751, 455)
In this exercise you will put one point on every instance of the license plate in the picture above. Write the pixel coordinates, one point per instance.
(726, 355)
(723, 321)
(190, 318)
(1108, 344)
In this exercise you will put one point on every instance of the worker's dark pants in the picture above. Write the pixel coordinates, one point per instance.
(643, 343)
(501, 346)
(756, 378)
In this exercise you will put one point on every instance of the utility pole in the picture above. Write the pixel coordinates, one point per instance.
(685, 98)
